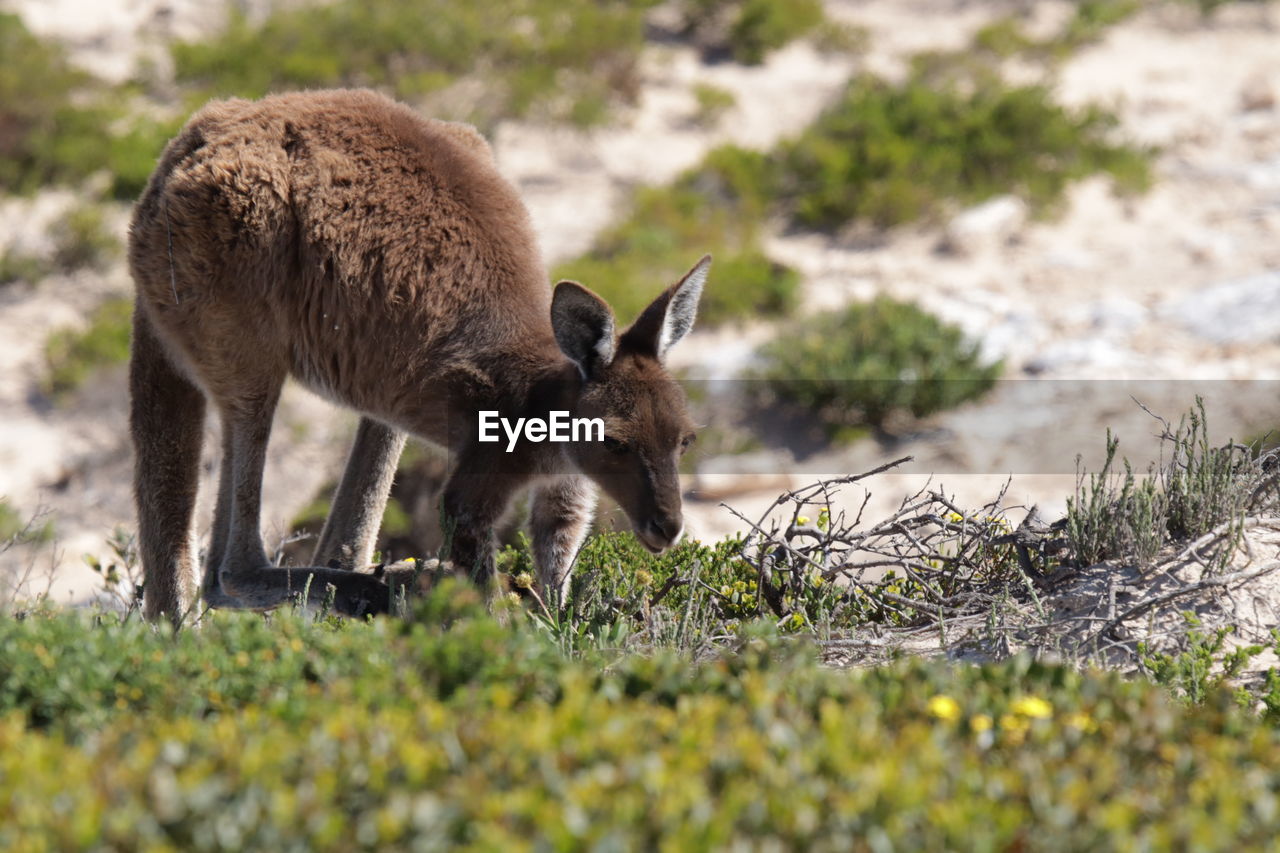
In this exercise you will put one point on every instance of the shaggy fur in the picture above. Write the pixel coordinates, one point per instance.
(379, 258)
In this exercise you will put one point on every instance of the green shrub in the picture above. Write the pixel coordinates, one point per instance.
(872, 361)
(61, 125)
(567, 60)
(748, 30)
(292, 734)
(713, 103)
(72, 355)
(37, 87)
(1199, 487)
(717, 207)
(895, 153)
(82, 240)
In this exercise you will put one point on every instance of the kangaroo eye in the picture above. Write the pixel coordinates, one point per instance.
(613, 445)
(687, 442)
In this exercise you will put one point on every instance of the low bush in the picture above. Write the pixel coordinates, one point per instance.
(874, 361)
(717, 207)
(60, 125)
(890, 154)
(81, 240)
(291, 733)
(566, 61)
(748, 30)
(713, 103)
(1199, 487)
(71, 355)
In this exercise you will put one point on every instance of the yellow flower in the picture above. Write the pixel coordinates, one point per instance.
(802, 519)
(524, 580)
(943, 707)
(1013, 723)
(980, 722)
(1033, 706)
(644, 577)
(1082, 721)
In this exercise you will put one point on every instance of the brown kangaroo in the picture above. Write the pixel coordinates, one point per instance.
(379, 258)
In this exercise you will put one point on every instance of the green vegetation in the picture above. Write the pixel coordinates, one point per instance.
(19, 529)
(713, 103)
(748, 30)
(1208, 665)
(452, 729)
(1199, 488)
(717, 207)
(953, 134)
(72, 355)
(568, 60)
(890, 154)
(874, 361)
(61, 126)
(80, 240)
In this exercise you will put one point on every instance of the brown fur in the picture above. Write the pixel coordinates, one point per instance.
(379, 258)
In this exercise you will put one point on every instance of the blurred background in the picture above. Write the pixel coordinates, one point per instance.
(981, 233)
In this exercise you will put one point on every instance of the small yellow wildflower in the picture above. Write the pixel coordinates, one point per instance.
(1034, 707)
(524, 580)
(513, 599)
(1013, 723)
(644, 577)
(980, 723)
(1082, 721)
(943, 707)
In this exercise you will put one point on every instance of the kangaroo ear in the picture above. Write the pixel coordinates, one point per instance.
(583, 325)
(669, 317)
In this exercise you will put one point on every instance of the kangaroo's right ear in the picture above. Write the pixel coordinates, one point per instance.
(583, 325)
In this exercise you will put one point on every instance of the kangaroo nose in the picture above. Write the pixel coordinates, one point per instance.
(666, 528)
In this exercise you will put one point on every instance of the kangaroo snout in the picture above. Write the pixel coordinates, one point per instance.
(661, 532)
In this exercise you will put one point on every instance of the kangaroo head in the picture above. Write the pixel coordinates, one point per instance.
(625, 384)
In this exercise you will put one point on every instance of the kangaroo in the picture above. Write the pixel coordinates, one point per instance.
(379, 258)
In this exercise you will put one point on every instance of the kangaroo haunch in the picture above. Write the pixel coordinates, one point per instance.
(283, 237)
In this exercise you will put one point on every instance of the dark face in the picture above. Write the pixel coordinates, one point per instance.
(625, 385)
(647, 429)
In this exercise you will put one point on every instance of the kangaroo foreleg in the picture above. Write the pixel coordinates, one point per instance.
(351, 529)
(558, 522)
(246, 577)
(472, 505)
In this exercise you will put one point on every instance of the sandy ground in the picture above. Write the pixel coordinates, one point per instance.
(1176, 291)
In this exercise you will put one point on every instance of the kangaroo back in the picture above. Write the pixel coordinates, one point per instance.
(344, 239)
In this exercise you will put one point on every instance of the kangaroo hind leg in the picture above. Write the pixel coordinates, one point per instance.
(166, 423)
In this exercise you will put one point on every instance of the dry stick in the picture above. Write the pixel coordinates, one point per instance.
(1156, 600)
(1248, 522)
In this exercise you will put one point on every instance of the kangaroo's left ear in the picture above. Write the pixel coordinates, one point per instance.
(669, 317)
